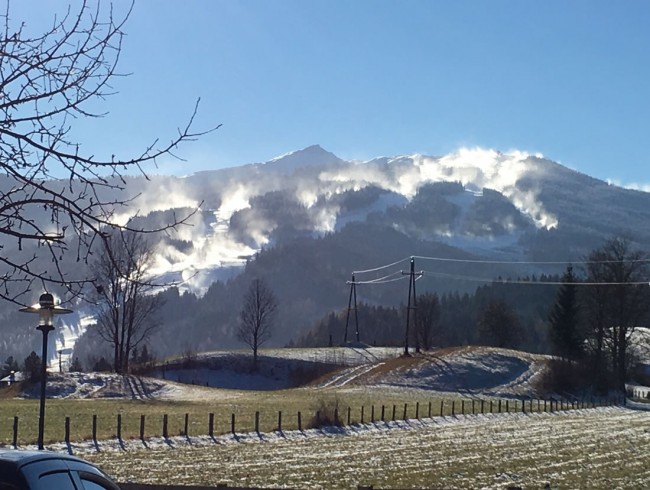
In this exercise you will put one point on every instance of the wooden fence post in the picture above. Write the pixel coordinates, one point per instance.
(349, 415)
(382, 412)
(211, 424)
(453, 408)
(394, 408)
(94, 428)
(362, 414)
(299, 421)
(142, 419)
(119, 426)
(429, 409)
(257, 422)
(499, 405)
(482, 405)
(67, 430)
(417, 410)
(507, 407)
(232, 424)
(405, 409)
(372, 414)
(462, 407)
(280, 419)
(491, 409)
(15, 440)
(473, 411)
(165, 432)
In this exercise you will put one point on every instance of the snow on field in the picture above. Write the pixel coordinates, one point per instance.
(351, 355)
(595, 448)
(465, 370)
(97, 385)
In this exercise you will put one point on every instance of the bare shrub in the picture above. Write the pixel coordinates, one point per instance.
(327, 413)
(562, 377)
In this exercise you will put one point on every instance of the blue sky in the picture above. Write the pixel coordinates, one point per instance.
(373, 78)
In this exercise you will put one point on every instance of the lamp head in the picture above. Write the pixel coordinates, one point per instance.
(46, 309)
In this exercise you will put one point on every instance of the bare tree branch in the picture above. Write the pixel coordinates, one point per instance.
(53, 196)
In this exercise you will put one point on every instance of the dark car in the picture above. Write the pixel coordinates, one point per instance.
(42, 470)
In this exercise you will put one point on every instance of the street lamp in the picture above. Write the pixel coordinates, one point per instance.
(46, 311)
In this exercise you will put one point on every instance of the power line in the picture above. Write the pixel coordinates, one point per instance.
(379, 281)
(495, 262)
(534, 283)
(531, 262)
(382, 267)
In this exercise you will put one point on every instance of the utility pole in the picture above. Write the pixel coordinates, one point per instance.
(411, 300)
(353, 295)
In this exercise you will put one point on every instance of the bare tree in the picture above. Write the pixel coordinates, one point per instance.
(498, 325)
(257, 315)
(125, 305)
(617, 305)
(53, 192)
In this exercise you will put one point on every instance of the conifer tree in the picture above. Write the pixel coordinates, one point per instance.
(564, 320)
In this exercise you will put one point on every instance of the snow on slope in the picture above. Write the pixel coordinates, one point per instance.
(466, 370)
(314, 178)
(470, 370)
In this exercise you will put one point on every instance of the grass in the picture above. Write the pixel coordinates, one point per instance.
(603, 448)
(365, 405)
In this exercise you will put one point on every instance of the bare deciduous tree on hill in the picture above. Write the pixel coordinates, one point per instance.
(52, 190)
(257, 315)
(124, 304)
(617, 306)
(498, 325)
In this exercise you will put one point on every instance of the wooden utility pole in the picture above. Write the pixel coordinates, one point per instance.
(412, 305)
(353, 296)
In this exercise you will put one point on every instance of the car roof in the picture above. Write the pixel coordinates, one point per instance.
(21, 456)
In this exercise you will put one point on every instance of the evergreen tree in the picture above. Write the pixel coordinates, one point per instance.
(9, 366)
(428, 320)
(564, 320)
(33, 367)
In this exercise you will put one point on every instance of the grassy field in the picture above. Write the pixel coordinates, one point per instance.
(242, 404)
(602, 448)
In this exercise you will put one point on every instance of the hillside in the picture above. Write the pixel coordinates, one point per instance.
(306, 220)
(470, 371)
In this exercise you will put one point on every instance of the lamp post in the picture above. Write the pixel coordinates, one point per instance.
(46, 311)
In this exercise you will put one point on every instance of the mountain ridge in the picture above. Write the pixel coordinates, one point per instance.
(307, 219)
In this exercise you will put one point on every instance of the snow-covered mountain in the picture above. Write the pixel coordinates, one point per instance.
(317, 218)
(495, 204)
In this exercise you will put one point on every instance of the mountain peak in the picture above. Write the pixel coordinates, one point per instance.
(313, 155)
